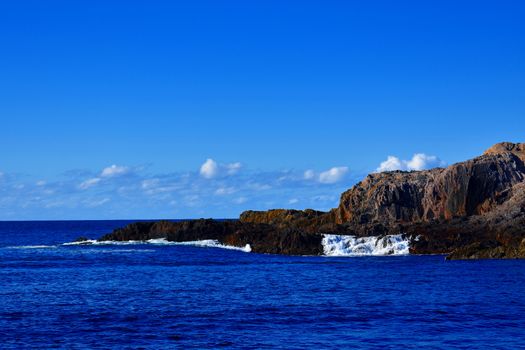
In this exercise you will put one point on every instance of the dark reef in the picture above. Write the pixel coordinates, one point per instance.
(469, 210)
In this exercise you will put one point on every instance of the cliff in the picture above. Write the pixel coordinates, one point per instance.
(472, 209)
(474, 187)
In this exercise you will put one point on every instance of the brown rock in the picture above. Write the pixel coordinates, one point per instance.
(469, 188)
(518, 149)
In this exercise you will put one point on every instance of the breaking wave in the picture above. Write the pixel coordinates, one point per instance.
(95, 242)
(214, 244)
(209, 243)
(340, 245)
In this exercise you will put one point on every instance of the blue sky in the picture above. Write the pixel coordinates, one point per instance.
(109, 109)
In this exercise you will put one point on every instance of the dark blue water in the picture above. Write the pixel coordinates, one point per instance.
(146, 296)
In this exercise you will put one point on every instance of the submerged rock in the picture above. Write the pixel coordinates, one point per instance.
(473, 209)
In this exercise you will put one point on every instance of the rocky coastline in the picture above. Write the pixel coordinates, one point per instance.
(470, 210)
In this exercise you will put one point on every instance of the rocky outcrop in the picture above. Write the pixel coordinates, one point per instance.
(474, 187)
(308, 221)
(476, 204)
(472, 209)
(262, 238)
(518, 149)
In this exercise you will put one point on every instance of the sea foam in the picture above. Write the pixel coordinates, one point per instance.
(210, 243)
(341, 245)
(214, 244)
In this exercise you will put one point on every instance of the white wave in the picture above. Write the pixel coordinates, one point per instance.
(95, 242)
(120, 251)
(341, 245)
(33, 247)
(211, 243)
(160, 241)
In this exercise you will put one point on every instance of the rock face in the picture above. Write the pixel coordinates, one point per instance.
(308, 221)
(472, 209)
(474, 187)
(518, 149)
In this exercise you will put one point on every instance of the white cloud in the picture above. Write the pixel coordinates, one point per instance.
(225, 191)
(240, 200)
(54, 204)
(192, 200)
(309, 174)
(329, 176)
(114, 170)
(223, 195)
(259, 187)
(89, 183)
(157, 186)
(97, 203)
(333, 175)
(211, 169)
(233, 168)
(149, 183)
(419, 161)
(390, 164)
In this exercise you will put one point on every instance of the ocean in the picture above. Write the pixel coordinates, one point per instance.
(159, 296)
